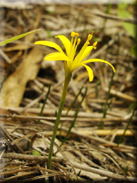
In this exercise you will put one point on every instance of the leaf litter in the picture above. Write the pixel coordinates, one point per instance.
(92, 151)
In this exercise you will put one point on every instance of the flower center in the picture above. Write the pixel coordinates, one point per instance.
(75, 41)
(77, 59)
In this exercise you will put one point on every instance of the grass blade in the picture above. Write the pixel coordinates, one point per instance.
(17, 37)
(48, 92)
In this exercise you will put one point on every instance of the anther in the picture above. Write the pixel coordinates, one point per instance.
(77, 34)
(95, 44)
(73, 34)
(78, 41)
(90, 37)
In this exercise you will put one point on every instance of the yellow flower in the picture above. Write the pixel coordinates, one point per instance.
(73, 61)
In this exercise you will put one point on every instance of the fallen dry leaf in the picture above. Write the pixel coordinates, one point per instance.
(14, 87)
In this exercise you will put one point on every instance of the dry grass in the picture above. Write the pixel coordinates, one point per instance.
(91, 152)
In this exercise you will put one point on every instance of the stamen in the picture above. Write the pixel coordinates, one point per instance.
(87, 42)
(74, 41)
(78, 41)
(73, 47)
(77, 34)
(73, 34)
(90, 36)
(95, 44)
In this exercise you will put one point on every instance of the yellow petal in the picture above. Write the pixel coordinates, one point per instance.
(85, 53)
(90, 72)
(98, 60)
(56, 56)
(50, 44)
(78, 57)
(65, 41)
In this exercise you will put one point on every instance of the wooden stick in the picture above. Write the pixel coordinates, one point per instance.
(102, 172)
(30, 157)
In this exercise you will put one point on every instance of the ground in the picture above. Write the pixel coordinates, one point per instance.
(101, 146)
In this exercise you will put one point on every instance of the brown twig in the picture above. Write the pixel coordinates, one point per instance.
(102, 172)
(30, 157)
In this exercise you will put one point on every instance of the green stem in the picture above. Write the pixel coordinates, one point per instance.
(65, 88)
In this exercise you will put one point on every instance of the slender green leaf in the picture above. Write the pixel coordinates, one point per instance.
(134, 50)
(48, 92)
(126, 169)
(107, 104)
(96, 87)
(74, 101)
(17, 37)
(121, 139)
